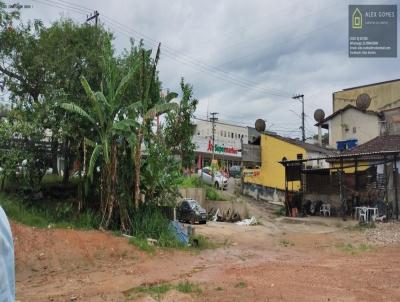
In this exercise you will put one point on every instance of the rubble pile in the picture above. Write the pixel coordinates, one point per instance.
(384, 233)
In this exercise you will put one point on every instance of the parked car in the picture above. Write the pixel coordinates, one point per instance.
(235, 171)
(189, 210)
(219, 181)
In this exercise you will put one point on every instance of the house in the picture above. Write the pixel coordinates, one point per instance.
(351, 123)
(266, 178)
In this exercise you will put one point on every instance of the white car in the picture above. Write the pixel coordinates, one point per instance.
(219, 181)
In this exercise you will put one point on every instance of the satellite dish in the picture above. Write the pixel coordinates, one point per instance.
(363, 101)
(319, 115)
(260, 125)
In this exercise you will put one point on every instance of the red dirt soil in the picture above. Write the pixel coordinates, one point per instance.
(276, 261)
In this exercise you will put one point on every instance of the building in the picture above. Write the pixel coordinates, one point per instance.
(266, 178)
(228, 140)
(350, 123)
(384, 95)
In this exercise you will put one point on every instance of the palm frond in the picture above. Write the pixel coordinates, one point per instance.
(93, 99)
(100, 96)
(160, 109)
(93, 159)
(124, 125)
(134, 106)
(124, 83)
(71, 107)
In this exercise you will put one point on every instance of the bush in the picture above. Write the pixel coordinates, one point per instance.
(192, 181)
(213, 194)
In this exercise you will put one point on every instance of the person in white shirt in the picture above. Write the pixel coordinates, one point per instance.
(7, 270)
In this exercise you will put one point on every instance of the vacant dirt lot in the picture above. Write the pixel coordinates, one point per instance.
(281, 260)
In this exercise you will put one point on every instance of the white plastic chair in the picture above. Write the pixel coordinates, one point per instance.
(325, 209)
(363, 213)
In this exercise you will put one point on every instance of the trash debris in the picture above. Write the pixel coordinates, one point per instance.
(229, 216)
(179, 231)
(249, 221)
(151, 241)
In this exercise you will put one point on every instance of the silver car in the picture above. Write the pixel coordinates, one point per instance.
(219, 181)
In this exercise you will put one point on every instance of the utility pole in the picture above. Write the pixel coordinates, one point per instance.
(213, 119)
(303, 130)
(95, 16)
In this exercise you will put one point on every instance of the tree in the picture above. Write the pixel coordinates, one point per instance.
(147, 109)
(108, 117)
(179, 128)
(40, 64)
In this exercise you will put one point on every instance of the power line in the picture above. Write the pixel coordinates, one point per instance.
(184, 59)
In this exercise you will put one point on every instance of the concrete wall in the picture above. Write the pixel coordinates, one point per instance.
(383, 96)
(225, 206)
(342, 126)
(260, 192)
(198, 194)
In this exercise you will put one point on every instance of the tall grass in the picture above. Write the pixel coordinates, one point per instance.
(148, 221)
(42, 216)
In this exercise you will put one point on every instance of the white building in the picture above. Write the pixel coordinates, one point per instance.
(228, 140)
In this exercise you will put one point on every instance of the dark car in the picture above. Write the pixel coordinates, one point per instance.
(234, 171)
(190, 211)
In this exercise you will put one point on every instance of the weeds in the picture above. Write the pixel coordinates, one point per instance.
(159, 289)
(286, 243)
(362, 226)
(142, 244)
(281, 211)
(241, 284)
(188, 287)
(56, 216)
(354, 249)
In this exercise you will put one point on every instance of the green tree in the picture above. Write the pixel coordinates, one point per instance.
(179, 129)
(107, 116)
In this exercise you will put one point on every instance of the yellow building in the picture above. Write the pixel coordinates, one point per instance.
(384, 95)
(268, 180)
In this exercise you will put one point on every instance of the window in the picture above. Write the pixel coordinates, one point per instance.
(354, 129)
(299, 156)
(236, 135)
(232, 134)
(224, 133)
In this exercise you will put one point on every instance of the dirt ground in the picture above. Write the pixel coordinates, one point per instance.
(313, 259)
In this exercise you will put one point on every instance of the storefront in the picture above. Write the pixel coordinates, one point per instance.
(226, 155)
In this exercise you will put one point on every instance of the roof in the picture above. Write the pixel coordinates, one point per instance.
(343, 110)
(368, 85)
(384, 143)
(306, 146)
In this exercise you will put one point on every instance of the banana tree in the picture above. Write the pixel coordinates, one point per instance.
(147, 109)
(108, 118)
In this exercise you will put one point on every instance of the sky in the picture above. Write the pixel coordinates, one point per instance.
(244, 58)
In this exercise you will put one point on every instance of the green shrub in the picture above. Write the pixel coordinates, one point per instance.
(148, 221)
(213, 194)
(192, 181)
(281, 211)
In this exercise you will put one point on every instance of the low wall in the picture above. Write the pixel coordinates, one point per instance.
(225, 206)
(260, 192)
(198, 194)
